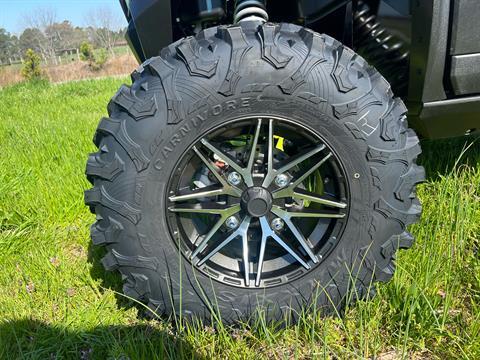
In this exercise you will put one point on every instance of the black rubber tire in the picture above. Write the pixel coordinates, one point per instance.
(227, 72)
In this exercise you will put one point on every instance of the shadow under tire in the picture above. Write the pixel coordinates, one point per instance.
(186, 102)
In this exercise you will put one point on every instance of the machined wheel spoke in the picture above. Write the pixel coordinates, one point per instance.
(203, 244)
(226, 158)
(228, 189)
(206, 208)
(200, 193)
(246, 262)
(253, 149)
(285, 216)
(327, 214)
(299, 179)
(270, 233)
(241, 231)
(290, 189)
(270, 147)
(292, 162)
(270, 144)
(290, 251)
(320, 199)
(301, 194)
(247, 176)
(267, 232)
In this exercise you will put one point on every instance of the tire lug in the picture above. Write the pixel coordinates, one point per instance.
(234, 178)
(277, 224)
(281, 180)
(232, 223)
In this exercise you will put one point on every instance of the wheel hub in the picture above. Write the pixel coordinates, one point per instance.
(256, 201)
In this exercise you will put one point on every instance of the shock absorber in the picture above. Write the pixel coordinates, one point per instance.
(246, 10)
(384, 50)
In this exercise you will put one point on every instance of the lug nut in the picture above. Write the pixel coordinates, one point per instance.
(281, 180)
(231, 222)
(234, 178)
(277, 224)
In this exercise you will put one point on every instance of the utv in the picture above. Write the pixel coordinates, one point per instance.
(260, 161)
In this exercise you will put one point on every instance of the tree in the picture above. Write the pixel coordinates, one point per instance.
(8, 46)
(79, 36)
(103, 25)
(43, 19)
(31, 38)
(61, 34)
(4, 45)
(31, 66)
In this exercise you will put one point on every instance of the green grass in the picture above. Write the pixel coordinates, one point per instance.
(57, 302)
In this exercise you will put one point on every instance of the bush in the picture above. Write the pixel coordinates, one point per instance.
(31, 69)
(96, 58)
(86, 51)
(100, 57)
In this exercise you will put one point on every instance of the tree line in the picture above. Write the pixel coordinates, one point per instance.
(50, 38)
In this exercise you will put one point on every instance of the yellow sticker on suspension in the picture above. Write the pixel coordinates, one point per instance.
(280, 141)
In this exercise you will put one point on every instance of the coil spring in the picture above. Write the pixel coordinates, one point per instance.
(384, 50)
(250, 10)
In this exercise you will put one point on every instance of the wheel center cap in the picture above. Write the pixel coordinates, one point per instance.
(256, 201)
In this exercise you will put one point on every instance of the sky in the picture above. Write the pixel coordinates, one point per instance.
(12, 12)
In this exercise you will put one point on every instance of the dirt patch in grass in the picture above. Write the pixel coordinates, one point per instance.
(10, 75)
(76, 70)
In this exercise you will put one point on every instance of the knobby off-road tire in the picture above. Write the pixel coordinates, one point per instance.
(229, 72)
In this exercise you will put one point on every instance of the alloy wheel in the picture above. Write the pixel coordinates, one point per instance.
(258, 202)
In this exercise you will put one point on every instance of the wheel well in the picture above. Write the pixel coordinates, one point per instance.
(149, 20)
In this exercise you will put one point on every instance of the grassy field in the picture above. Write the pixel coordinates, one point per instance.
(57, 302)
